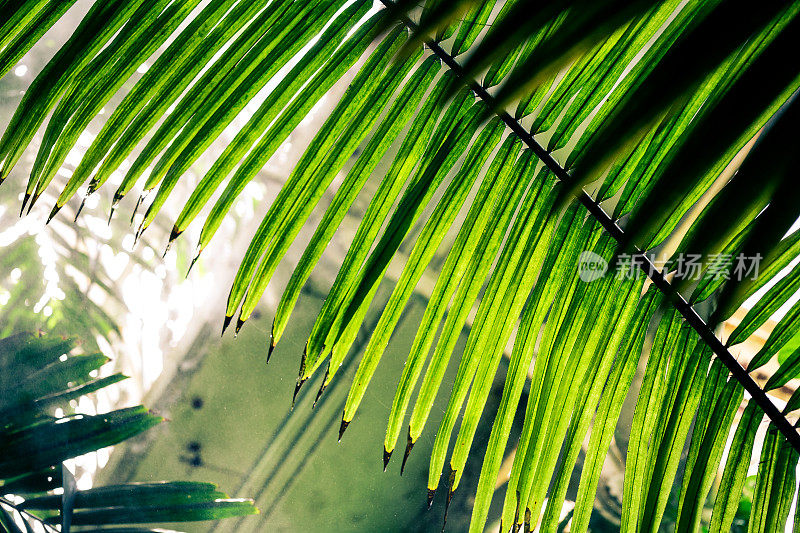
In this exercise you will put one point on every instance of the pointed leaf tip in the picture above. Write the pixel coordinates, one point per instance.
(53, 212)
(296, 390)
(387, 455)
(34, 199)
(80, 209)
(318, 396)
(191, 265)
(135, 207)
(343, 427)
(431, 494)
(450, 482)
(24, 201)
(142, 228)
(226, 323)
(174, 234)
(409, 446)
(271, 347)
(239, 324)
(322, 387)
(446, 509)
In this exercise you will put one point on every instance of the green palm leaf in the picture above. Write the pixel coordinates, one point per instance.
(646, 107)
(35, 441)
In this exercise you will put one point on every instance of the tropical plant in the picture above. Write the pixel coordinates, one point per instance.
(640, 132)
(42, 378)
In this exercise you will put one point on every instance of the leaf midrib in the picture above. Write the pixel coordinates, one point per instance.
(656, 277)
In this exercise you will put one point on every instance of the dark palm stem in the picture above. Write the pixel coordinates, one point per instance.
(684, 308)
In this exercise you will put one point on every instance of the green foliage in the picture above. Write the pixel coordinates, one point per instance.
(644, 107)
(41, 378)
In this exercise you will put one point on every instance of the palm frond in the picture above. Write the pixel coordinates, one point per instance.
(634, 108)
(42, 376)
